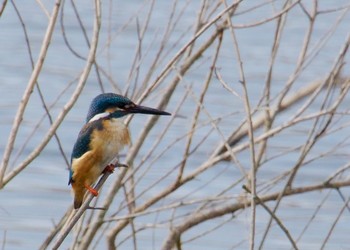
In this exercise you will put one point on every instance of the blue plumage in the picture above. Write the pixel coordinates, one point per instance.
(98, 105)
(100, 140)
(82, 145)
(104, 101)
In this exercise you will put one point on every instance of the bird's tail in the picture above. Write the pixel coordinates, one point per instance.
(79, 193)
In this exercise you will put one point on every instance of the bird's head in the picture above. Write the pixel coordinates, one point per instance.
(119, 106)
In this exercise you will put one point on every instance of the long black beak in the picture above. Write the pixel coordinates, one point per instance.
(137, 109)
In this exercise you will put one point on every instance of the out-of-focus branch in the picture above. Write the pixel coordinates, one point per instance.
(213, 213)
(3, 6)
(82, 80)
(184, 48)
(25, 98)
(246, 100)
(42, 98)
(76, 214)
(290, 100)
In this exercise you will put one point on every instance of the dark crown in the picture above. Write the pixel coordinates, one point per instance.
(104, 101)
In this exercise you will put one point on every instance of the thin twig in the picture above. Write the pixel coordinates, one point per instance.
(42, 99)
(66, 108)
(215, 212)
(335, 223)
(26, 96)
(273, 215)
(76, 214)
(253, 167)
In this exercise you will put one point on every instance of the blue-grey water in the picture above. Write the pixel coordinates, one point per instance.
(37, 198)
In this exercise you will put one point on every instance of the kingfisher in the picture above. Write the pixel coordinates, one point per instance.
(102, 137)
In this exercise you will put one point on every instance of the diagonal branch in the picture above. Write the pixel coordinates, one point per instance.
(27, 93)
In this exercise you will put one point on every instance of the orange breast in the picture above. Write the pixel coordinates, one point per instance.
(105, 145)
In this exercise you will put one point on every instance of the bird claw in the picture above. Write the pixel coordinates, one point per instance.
(109, 169)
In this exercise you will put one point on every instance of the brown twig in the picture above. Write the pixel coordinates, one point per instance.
(25, 98)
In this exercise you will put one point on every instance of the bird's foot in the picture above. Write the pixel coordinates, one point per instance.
(92, 191)
(109, 169)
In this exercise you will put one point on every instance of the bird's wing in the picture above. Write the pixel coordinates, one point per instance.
(82, 145)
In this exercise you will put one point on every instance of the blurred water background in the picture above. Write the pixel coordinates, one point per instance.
(32, 202)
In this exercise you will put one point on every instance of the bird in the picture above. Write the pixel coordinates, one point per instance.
(99, 141)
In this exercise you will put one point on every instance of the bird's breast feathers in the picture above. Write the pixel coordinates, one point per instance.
(107, 142)
(98, 144)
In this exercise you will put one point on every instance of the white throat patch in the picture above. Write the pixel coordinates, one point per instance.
(99, 116)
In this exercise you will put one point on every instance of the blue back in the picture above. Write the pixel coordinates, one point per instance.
(82, 145)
